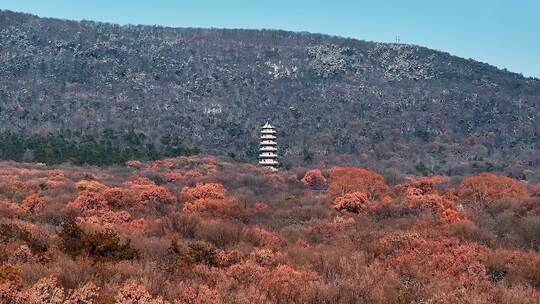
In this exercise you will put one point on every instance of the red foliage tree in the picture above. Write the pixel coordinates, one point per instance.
(200, 295)
(136, 180)
(207, 191)
(422, 202)
(486, 188)
(421, 195)
(56, 174)
(208, 199)
(21, 255)
(32, 204)
(355, 202)
(46, 290)
(267, 257)
(114, 217)
(314, 179)
(264, 238)
(136, 226)
(162, 164)
(9, 294)
(426, 185)
(171, 177)
(89, 203)
(116, 197)
(347, 180)
(442, 259)
(450, 216)
(228, 258)
(192, 175)
(248, 272)
(133, 293)
(86, 294)
(155, 195)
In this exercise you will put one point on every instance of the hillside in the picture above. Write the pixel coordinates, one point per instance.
(209, 231)
(102, 93)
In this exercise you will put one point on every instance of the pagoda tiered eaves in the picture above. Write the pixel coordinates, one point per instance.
(268, 136)
(268, 147)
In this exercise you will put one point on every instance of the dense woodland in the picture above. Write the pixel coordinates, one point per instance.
(208, 231)
(103, 94)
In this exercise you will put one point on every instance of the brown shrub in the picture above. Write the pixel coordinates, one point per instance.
(246, 273)
(459, 296)
(203, 253)
(108, 246)
(468, 231)
(357, 283)
(90, 185)
(264, 238)
(11, 232)
(102, 245)
(519, 294)
(10, 275)
(221, 234)
(529, 231)
(513, 267)
(72, 238)
(214, 208)
(184, 224)
(314, 179)
(134, 164)
(9, 209)
(287, 285)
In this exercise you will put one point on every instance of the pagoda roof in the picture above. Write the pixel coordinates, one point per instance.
(267, 125)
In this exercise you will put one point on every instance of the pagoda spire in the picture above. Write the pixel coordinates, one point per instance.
(268, 147)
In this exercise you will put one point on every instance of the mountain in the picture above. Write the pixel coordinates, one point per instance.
(103, 93)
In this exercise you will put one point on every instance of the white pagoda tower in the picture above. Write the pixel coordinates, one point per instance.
(268, 147)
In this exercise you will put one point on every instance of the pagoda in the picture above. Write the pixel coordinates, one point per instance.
(268, 147)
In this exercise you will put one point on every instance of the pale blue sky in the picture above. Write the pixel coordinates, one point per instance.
(505, 33)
